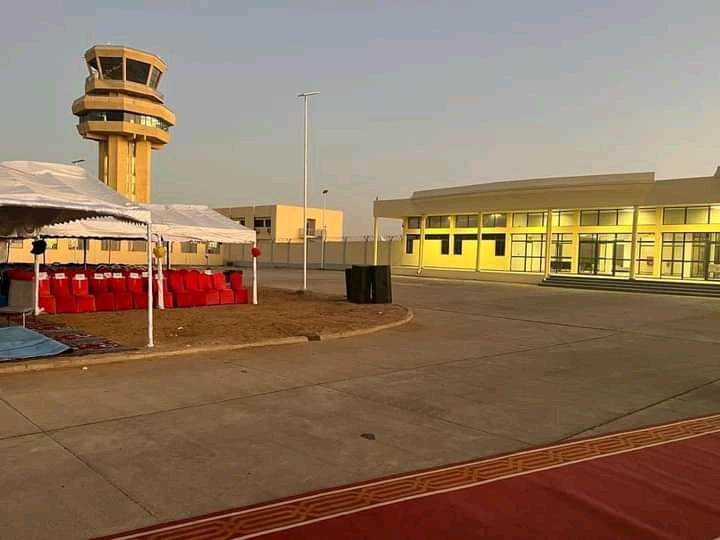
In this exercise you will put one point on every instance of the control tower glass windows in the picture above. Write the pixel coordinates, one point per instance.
(155, 77)
(93, 68)
(122, 116)
(112, 67)
(136, 71)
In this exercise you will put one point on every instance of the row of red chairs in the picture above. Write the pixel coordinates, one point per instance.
(87, 291)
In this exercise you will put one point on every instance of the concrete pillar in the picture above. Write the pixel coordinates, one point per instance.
(422, 244)
(375, 241)
(479, 242)
(634, 240)
(548, 241)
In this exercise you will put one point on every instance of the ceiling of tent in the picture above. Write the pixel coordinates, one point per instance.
(35, 194)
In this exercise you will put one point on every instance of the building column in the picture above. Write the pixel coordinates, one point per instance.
(422, 244)
(479, 242)
(548, 241)
(375, 241)
(633, 246)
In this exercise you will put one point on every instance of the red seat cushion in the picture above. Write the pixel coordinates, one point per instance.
(134, 283)
(241, 296)
(118, 282)
(219, 281)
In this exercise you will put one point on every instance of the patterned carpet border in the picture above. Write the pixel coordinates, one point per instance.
(80, 343)
(296, 511)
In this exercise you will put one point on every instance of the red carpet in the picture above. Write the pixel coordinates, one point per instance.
(661, 482)
(80, 343)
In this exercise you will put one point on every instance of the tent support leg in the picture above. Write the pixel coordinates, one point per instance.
(150, 330)
(254, 278)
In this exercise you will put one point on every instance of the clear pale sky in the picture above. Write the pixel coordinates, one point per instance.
(415, 94)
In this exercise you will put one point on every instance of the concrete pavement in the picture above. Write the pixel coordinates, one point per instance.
(483, 368)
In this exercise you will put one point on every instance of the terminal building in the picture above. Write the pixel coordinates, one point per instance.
(613, 225)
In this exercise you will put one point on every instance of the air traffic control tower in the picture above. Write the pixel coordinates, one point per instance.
(124, 112)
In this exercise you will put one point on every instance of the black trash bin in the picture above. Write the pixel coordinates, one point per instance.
(381, 285)
(365, 284)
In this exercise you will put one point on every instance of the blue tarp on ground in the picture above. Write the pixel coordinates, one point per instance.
(17, 342)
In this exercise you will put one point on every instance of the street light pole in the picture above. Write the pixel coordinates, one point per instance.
(323, 230)
(305, 96)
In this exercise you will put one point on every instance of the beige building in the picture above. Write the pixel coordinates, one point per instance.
(614, 225)
(283, 223)
(125, 113)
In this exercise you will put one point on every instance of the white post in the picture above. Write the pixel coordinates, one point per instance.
(36, 285)
(254, 278)
(150, 332)
(161, 285)
(633, 246)
(305, 189)
(305, 96)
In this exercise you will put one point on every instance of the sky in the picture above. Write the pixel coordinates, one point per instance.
(414, 94)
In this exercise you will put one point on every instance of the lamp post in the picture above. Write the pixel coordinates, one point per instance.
(305, 96)
(323, 230)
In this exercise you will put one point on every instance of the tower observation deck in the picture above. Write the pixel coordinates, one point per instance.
(125, 113)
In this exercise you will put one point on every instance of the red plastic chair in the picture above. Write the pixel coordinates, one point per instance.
(46, 301)
(205, 284)
(236, 280)
(186, 288)
(227, 296)
(100, 289)
(118, 286)
(85, 302)
(236, 284)
(139, 293)
(168, 300)
(60, 289)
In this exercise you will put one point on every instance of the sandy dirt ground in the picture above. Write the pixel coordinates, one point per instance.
(279, 313)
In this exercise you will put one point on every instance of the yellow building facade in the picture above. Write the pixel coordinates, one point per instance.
(123, 111)
(283, 223)
(616, 225)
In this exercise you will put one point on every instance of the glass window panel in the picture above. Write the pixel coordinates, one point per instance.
(520, 220)
(494, 220)
(625, 216)
(607, 217)
(715, 214)
(438, 222)
(137, 71)
(567, 218)
(517, 264)
(154, 77)
(466, 221)
(413, 222)
(112, 67)
(647, 216)
(536, 219)
(588, 218)
(697, 215)
(674, 216)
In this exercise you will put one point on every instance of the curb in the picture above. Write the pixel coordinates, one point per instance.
(409, 316)
(24, 366)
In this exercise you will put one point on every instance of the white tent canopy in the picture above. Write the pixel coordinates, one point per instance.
(35, 194)
(170, 222)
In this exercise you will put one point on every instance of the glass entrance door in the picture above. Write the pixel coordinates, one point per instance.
(604, 254)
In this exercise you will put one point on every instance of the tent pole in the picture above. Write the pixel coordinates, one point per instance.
(84, 242)
(151, 342)
(36, 284)
(161, 284)
(254, 278)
